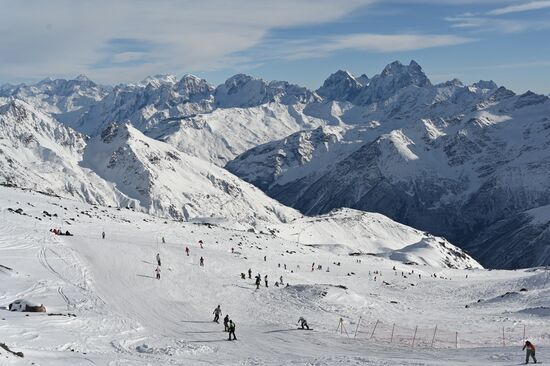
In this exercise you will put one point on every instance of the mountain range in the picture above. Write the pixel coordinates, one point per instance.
(468, 162)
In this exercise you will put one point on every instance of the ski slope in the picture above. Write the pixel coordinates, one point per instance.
(126, 317)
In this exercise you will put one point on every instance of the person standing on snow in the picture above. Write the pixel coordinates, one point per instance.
(258, 281)
(265, 279)
(200, 243)
(217, 312)
(249, 273)
(226, 323)
(158, 259)
(187, 251)
(163, 241)
(281, 279)
(530, 351)
(232, 330)
(303, 323)
(103, 235)
(201, 262)
(158, 272)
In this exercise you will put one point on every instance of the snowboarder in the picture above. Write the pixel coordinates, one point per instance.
(158, 259)
(103, 235)
(249, 273)
(201, 262)
(530, 352)
(187, 251)
(232, 330)
(226, 323)
(303, 323)
(158, 272)
(265, 279)
(217, 312)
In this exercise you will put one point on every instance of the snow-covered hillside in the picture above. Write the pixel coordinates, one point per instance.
(124, 168)
(104, 305)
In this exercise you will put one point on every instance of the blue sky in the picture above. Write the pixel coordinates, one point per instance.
(301, 41)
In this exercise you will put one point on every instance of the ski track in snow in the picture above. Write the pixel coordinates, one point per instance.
(126, 317)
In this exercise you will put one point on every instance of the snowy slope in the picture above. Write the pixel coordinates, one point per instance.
(38, 152)
(354, 232)
(123, 168)
(168, 182)
(124, 316)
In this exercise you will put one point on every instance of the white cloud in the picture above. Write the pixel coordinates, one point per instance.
(67, 37)
(378, 43)
(491, 24)
(533, 5)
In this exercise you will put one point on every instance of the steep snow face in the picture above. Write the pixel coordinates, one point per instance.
(66, 100)
(155, 100)
(245, 91)
(341, 86)
(223, 134)
(346, 231)
(38, 152)
(168, 182)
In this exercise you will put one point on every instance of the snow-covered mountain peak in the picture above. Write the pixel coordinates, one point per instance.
(245, 91)
(393, 78)
(158, 80)
(341, 86)
(486, 84)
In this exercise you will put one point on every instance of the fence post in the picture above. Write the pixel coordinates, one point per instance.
(392, 329)
(375, 325)
(503, 339)
(356, 329)
(523, 332)
(414, 337)
(456, 340)
(433, 339)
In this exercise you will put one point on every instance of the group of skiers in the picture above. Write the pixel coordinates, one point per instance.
(228, 324)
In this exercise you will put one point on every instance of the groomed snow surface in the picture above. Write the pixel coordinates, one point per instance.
(124, 316)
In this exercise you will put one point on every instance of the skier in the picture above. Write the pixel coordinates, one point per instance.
(201, 262)
(158, 259)
(158, 272)
(265, 279)
(303, 323)
(232, 330)
(249, 273)
(226, 323)
(103, 235)
(187, 251)
(217, 312)
(530, 352)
